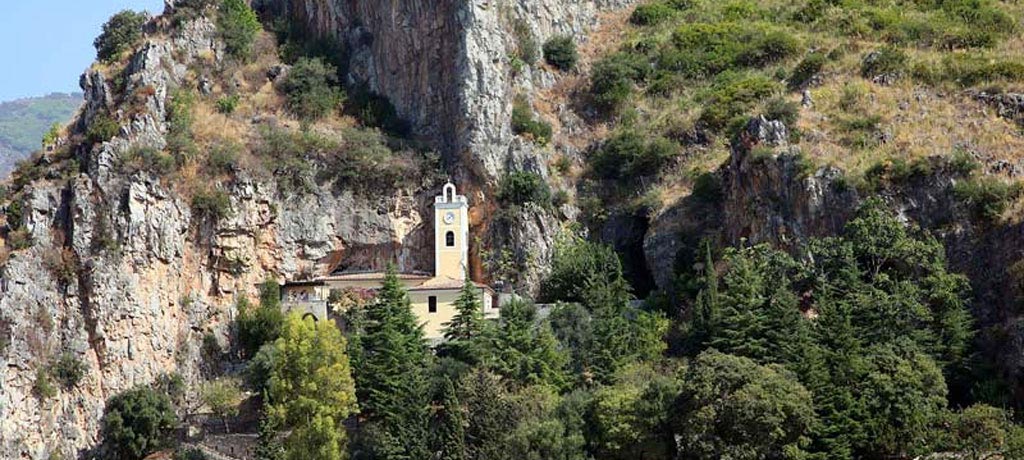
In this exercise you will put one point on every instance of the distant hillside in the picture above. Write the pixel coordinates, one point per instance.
(24, 121)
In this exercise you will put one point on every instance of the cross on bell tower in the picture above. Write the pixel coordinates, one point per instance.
(451, 234)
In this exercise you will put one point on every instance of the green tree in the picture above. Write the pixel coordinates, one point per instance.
(464, 333)
(120, 33)
(238, 26)
(222, 397)
(310, 388)
(560, 51)
(268, 443)
(449, 425)
(137, 423)
(525, 351)
(259, 325)
(312, 89)
(731, 407)
(391, 376)
(630, 419)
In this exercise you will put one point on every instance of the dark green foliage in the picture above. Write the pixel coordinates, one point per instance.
(527, 352)
(102, 128)
(191, 453)
(223, 158)
(180, 141)
(523, 122)
(376, 111)
(705, 49)
(887, 61)
(649, 14)
(450, 425)
(782, 110)
(137, 423)
(627, 157)
(969, 70)
(312, 89)
(733, 96)
(575, 264)
(465, 332)
(68, 370)
(520, 188)
(986, 197)
(43, 388)
(731, 407)
(613, 78)
(211, 205)
(389, 368)
(121, 33)
(151, 160)
(806, 70)
(238, 26)
(560, 51)
(259, 325)
(268, 442)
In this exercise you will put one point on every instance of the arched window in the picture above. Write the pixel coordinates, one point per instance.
(449, 239)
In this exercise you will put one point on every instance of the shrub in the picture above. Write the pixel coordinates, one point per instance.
(707, 188)
(560, 51)
(377, 111)
(703, 49)
(806, 70)
(150, 159)
(67, 370)
(780, 109)
(612, 79)
(223, 158)
(212, 205)
(102, 129)
(180, 141)
(526, 44)
(228, 104)
(137, 423)
(259, 325)
(51, 136)
(969, 70)
(190, 9)
(312, 89)
(121, 33)
(238, 26)
(43, 387)
(628, 156)
(524, 123)
(986, 197)
(963, 163)
(651, 13)
(731, 97)
(521, 187)
(887, 61)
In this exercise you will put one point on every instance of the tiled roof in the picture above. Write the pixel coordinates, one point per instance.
(374, 276)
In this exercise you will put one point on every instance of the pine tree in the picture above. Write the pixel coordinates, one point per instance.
(391, 380)
(450, 425)
(525, 351)
(268, 446)
(466, 328)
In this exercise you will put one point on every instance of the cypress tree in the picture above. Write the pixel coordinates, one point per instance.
(391, 380)
(466, 328)
(450, 425)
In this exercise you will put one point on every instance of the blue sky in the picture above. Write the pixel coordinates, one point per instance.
(46, 44)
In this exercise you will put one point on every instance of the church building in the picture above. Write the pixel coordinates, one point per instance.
(432, 297)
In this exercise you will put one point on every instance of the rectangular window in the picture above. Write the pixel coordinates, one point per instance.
(432, 304)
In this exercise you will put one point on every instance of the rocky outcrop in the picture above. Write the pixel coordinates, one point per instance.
(128, 280)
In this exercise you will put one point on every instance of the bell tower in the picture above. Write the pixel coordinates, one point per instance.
(451, 234)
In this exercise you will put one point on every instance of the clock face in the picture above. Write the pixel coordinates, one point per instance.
(449, 218)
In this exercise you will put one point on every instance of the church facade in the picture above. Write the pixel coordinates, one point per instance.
(432, 296)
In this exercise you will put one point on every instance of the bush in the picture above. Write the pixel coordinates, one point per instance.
(238, 26)
(704, 49)
(180, 141)
(121, 33)
(102, 129)
(223, 158)
(887, 61)
(137, 423)
(612, 78)
(731, 97)
(780, 109)
(521, 187)
(151, 160)
(212, 205)
(67, 370)
(524, 123)
(312, 89)
(259, 325)
(43, 387)
(806, 70)
(651, 14)
(969, 70)
(228, 104)
(628, 156)
(526, 44)
(986, 197)
(560, 51)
